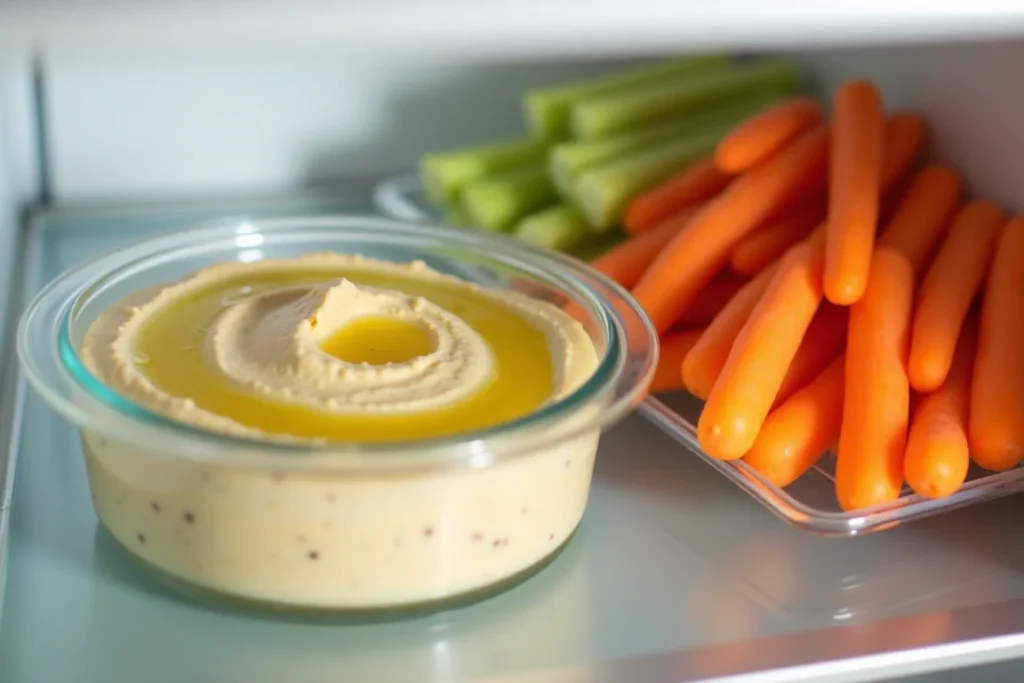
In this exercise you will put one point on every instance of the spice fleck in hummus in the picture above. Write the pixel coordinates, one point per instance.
(331, 347)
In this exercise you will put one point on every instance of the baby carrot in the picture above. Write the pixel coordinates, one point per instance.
(824, 340)
(854, 187)
(937, 454)
(904, 140)
(798, 432)
(890, 201)
(626, 262)
(668, 376)
(767, 243)
(746, 388)
(703, 364)
(693, 257)
(955, 277)
(996, 431)
(701, 181)
(765, 133)
(905, 134)
(705, 361)
(876, 403)
(711, 300)
(922, 215)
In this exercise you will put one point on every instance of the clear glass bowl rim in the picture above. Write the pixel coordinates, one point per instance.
(623, 375)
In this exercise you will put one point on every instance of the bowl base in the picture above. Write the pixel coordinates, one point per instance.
(226, 601)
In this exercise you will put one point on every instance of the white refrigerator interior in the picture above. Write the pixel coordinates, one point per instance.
(112, 128)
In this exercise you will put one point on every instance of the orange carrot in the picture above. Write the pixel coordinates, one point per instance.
(890, 202)
(817, 237)
(996, 432)
(764, 245)
(937, 454)
(699, 182)
(825, 339)
(668, 376)
(693, 258)
(876, 404)
(764, 348)
(707, 358)
(923, 213)
(765, 133)
(905, 134)
(626, 262)
(904, 139)
(711, 300)
(854, 187)
(954, 279)
(801, 429)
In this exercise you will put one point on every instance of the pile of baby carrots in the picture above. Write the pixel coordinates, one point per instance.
(821, 287)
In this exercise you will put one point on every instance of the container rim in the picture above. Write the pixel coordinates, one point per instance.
(619, 383)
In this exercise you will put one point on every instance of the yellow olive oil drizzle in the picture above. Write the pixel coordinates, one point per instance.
(522, 380)
(379, 340)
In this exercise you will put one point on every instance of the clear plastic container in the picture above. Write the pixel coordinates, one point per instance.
(808, 503)
(342, 526)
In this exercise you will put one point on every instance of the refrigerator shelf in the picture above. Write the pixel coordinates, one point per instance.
(673, 575)
(561, 27)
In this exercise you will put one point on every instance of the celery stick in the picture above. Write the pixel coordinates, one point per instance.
(548, 109)
(496, 202)
(442, 174)
(619, 112)
(602, 192)
(595, 245)
(560, 227)
(567, 160)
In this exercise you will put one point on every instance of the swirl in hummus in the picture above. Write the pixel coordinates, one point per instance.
(337, 347)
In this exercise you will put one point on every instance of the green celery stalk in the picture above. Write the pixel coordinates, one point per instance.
(548, 109)
(496, 202)
(560, 227)
(602, 192)
(442, 174)
(569, 159)
(606, 115)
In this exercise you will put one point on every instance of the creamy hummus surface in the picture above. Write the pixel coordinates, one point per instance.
(332, 347)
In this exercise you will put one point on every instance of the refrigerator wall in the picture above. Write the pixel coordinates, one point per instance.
(18, 167)
(162, 124)
(167, 123)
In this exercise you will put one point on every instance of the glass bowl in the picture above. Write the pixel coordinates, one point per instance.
(338, 526)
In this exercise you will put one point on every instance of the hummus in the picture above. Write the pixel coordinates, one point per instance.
(332, 347)
(289, 349)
